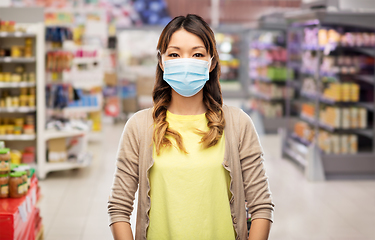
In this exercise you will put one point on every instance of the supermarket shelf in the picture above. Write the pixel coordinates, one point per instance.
(263, 96)
(16, 34)
(271, 125)
(22, 137)
(265, 46)
(82, 109)
(52, 134)
(370, 79)
(58, 166)
(17, 84)
(359, 163)
(295, 157)
(366, 131)
(18, 109)
(268, 80)
(297, 146)
(299, 139)
(314, 96)
(17, 60)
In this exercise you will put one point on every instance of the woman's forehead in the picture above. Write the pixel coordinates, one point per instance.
(184, 39)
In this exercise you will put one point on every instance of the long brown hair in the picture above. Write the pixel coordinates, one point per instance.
(212, 98)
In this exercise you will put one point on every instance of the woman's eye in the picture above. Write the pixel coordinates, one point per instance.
(173, 55)
(198, 55)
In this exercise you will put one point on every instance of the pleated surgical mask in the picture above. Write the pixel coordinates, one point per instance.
(187, 76)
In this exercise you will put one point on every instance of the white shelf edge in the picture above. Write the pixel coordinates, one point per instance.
(17, 84)
(18, 109)
(82, 109)
(21, 137)
(17, 60)
(16, 34)
(295, 157)
(59, 166)
(53, 134)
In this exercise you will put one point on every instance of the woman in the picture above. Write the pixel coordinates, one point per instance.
(194, 159)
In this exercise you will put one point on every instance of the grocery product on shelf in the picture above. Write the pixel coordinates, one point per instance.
(4, 185)
(322, 37)
(337, 117)
(17, 51)
(267, 109)
(18, 125)
(329, 143)
(272, 91)
(22, 97)
(228, 45)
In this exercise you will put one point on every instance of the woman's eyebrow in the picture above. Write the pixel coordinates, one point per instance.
(198, 47)
(174, 47)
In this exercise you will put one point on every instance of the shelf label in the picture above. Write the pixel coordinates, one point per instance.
(33, 196)
(28, 204)
(18, 34)
(22, 211)
(7, 59)
(3, 34)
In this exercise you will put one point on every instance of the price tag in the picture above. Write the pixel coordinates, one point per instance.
(28, 204)
(22, 211)
(33, 196)
(18, 34)
(7, 59)
(3, 34)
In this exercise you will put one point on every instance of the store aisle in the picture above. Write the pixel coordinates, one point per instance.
(74, 203)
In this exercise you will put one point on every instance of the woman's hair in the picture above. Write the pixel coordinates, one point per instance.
(162, 92)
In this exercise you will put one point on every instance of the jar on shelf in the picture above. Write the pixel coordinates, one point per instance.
(16, 185)
(31, 100)
(16, 51)
(16, 157)
(7, 76)
(32, 77)
(29, 129)
(23, 100)
(2, 130)
(4, 185)
(4, 160)
(15, 77)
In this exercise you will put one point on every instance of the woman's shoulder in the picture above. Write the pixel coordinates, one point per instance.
(141, 118)
(235, 113)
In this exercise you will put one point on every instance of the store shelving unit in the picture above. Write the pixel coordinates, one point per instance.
(33, 21)
(318, 164)
(232, 48)
(33, 18)
(261, 43)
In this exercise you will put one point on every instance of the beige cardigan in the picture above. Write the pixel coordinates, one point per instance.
(243, 159)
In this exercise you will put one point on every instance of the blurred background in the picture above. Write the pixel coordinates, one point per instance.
(73, 71)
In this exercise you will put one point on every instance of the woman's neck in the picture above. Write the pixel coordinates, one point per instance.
(187, 105)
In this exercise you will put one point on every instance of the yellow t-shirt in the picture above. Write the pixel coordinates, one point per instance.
(190, 192)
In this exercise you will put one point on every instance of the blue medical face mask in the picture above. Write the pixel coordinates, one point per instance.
(187, 76)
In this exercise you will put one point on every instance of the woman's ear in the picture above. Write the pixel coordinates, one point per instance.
(161, 65)
(160, 61)
(213, 64)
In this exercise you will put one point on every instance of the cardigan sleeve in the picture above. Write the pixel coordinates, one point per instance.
(125, 183)
(256, 186)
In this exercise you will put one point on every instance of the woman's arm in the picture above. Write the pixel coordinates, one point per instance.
(260, 229)
(125, 183)
(255, 180)
(121, 231)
